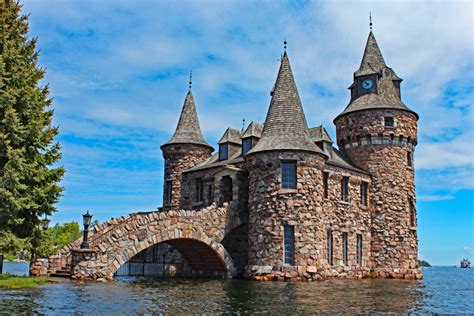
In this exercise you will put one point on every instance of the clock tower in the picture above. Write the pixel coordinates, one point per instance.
(378, 132)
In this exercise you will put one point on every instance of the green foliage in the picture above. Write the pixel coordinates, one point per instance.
(8, 281)
(28, 184)
(423, 263)
(55, 238)
(11, 245)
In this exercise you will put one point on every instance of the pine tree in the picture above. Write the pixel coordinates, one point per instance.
(28, 151)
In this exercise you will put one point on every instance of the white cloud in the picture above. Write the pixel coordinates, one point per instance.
(432, 198)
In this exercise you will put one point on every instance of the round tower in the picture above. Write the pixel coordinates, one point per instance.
(285, 189)
(186, 149)
(378, 132)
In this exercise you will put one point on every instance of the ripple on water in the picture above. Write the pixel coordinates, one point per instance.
(444, 290)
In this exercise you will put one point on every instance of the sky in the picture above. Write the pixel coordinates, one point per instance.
(118, 72)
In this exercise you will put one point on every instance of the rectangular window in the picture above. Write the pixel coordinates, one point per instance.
(325, 184)
(288, 174)
(363, 193)
(409, 159)
(209, 194)
(344, 249)
(223, 151)
(246, 145)
(289, 244)
(329, 237)
(199, 190)
(359, 249)
(168, 192)
(369, 139)
(345, 189)
(388, 122)
(412, 213)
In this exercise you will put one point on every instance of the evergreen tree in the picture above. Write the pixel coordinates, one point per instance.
(28, 178)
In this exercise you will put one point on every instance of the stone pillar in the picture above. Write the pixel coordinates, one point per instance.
(84, 264)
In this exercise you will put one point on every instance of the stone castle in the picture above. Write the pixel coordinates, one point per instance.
(311, 209)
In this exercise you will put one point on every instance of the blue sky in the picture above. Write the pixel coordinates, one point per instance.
(118, 72)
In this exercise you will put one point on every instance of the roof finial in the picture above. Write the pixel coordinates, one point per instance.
(284, 44)
(370, 21)
(190, 79)
(243, 124)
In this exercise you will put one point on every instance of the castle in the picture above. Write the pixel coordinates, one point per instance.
(311, 207)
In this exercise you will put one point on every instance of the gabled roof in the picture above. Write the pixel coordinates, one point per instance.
(231, 136)
(319, 133)
(253, 130)
(285, 126)
(188, 130)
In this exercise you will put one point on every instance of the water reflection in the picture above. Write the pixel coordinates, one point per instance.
(443, 290)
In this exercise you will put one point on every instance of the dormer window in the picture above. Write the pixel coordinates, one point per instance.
(223, 151)
(246, 145)
(388, 122)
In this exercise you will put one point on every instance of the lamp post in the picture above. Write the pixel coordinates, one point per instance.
(45, 222)
(87, 221)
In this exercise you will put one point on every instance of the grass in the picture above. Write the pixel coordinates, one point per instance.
(8, 281)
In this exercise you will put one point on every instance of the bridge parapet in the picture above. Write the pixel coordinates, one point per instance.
(197, 233)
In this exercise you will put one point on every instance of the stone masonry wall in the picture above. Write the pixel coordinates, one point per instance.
(392, 190)
(179, 157)
(270, 208)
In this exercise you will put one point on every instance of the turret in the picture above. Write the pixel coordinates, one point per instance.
(379, 134)
(285, 178)
(187, 148)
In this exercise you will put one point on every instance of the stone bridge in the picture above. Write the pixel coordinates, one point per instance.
(197, 235)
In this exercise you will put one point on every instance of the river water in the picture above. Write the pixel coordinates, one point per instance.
(443, 290)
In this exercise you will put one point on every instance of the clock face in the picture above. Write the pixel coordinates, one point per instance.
(367, 84)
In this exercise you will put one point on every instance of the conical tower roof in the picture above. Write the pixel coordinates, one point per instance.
(387, 96)
(372, 61)
(188, 130)
(285, 127)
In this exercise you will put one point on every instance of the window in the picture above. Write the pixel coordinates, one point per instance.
(226, 189)
(412, 213)
(329, 236)
(369, 139)
(288, 174)
(246, 145)
(345, 189)
(344, 249)
(359, 248)
(209, 194)
(223, 151)
(388, 122)
(168, 192)
(289, 244)
(363, 193)
(199, 190)
(409, 159)
(325, 184)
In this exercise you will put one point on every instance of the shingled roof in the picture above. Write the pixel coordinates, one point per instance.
(285, 127)
(231, 135)
(253, 130)
(319, 133)
(188, 130)
(387, 96)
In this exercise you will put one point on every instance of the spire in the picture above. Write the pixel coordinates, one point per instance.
(370, 21)
(188, 130)
(372, 61)
(285, 127)
(190, 79)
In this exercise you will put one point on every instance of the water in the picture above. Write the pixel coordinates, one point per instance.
(444, 290)
(18, 268)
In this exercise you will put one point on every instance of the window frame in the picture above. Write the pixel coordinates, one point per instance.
(325, 184)
(364, 193)
(391, 121)
(359, 248)
(292, 182)
(244, 142)
(199, 190)
(289, 245)
(345, 254)
(330, 247)
(222, 151)
(345, 189)
(409, 158)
